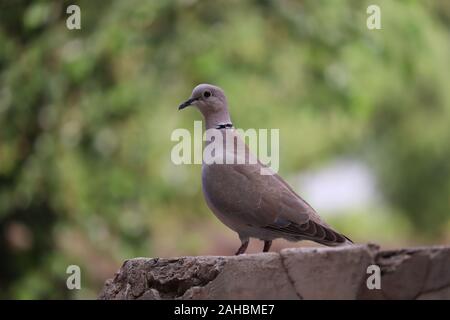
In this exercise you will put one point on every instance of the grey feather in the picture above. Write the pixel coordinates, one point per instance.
(252, 204)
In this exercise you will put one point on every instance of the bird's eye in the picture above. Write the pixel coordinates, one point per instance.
(206, 94)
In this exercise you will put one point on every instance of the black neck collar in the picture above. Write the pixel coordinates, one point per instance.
(224, 126)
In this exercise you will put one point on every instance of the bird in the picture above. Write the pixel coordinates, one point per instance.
(254, 205)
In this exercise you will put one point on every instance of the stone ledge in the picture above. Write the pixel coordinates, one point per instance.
(301, 273)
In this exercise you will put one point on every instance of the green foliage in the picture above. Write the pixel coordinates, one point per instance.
(86, 117)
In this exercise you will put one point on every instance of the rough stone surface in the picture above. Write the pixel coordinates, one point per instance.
(254, 276)
(303, 273)
(339, 271)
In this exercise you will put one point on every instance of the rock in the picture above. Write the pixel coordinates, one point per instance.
(324, 273)
(403, 272)
(442, 294)
(253, 276)
(438, 274)
(161, 278)
(302, 273)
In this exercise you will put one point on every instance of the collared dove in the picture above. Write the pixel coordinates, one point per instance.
(254, 205)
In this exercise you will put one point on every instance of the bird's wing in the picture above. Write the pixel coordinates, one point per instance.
(309, 230)
(265, 201)
(314, 229)
(241, 191)
(243, 194)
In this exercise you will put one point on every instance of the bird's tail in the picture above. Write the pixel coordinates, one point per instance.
(310, 230)
(341, 240)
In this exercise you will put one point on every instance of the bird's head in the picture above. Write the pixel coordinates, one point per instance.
(207, 98)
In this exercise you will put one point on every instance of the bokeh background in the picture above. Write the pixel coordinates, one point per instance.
(86, 118)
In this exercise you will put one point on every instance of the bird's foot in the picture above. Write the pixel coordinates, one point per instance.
(267, 245)
(242, 248)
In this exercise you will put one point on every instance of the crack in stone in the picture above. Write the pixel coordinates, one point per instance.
(146, 288)
(425, 278)
(432, 290)
(291, 281)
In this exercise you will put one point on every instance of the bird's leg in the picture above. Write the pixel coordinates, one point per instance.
(242, 248)
(267, 244)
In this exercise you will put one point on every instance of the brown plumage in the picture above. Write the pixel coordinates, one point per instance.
(256, 205)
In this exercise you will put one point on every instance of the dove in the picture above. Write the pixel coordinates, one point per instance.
(254, 205)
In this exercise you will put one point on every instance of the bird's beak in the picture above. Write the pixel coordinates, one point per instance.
(187, 103)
